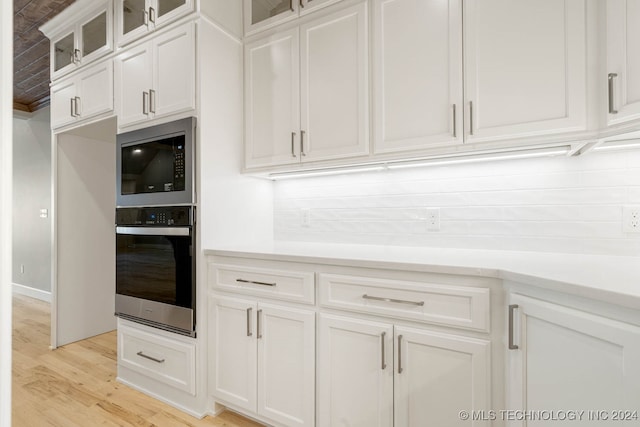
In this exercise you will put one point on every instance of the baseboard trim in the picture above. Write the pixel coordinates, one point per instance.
(32, 292)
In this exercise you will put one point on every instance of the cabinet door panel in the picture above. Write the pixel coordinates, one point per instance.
(623, 58)
(441, 375)
(417, 73)
(96, 90)
(233, 347)
(262, 14)
(133, 78)
(169, 10)
(132, 19)
(525, 69)
(353, 388)
(334, 89)
(62, 95)
(272, 100)
(571, 359)
(174, 72)
(286, 362)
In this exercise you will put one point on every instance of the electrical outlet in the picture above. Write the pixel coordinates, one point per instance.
(631, 219)
(432, 218)
(305, 217)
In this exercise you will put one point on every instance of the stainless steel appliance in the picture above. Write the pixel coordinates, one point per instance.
(155, 267)
(155, 165)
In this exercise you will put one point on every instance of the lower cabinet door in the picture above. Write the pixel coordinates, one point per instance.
(438, 375)
(567, 359)
(355, 372)
(286, 364)
(233, 341)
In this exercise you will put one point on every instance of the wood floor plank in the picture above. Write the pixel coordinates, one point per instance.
(75, 385)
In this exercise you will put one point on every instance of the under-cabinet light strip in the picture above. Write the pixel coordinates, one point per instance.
(618, 145)
(424, 162)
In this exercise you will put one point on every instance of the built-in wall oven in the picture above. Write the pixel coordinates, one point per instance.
(155, 227)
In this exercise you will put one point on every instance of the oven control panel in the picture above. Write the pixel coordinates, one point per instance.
(155, 216)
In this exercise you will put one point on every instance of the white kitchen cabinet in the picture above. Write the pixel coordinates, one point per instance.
(263, 359)
(137, 18)
(263, 14)
(307, 92)
(564, 358)
(86, 36)
(380, 374)
(157, 78)
(525, 68)
(623, 61)
(82, 96)
(417, 74)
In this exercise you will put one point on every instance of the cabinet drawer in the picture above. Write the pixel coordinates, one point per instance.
(466, 307)
(287, 285)
(169, 361)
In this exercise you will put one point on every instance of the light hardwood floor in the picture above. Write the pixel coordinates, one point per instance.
(75, 386)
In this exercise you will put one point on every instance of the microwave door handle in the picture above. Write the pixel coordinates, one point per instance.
(154, 231)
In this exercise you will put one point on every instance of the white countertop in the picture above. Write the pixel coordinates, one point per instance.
(614, 279)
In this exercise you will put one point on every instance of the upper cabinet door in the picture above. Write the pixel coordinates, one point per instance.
(63, 103)
(272, 100)
(335, 85)
(132, 19)
(95, 89)
(96, 35)
(133, 80)
(417, 74)
(64, 53)
(168, 10)
(623, 60)
(525, 68)
(262, 14)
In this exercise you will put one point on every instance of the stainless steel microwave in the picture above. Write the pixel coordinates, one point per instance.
(155, 165)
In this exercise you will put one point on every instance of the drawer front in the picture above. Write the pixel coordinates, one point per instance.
(459, 306)
(286, 285)
(171, 362)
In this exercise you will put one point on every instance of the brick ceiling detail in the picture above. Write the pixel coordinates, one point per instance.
(31, 52)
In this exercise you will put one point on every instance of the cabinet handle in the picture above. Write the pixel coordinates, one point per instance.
(254, 282)
(384, 361)
(76, 55)
(302, 153)
(249, 332)
(399, 301)
(73, 114)
(302, 4)
(612, 108)
(400, 354)
(152, 100)
(145, 103)
(512, 308)
(293, 148)
(152, 15)
(259, 324)
(141, 354)
(76, 102)
(291, 5)
(454, 121)
(470, 117)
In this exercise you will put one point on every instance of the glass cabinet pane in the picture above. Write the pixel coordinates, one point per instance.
(94, 34)
(132, 15)
(265, 9)
(166, 6)
(63, 52)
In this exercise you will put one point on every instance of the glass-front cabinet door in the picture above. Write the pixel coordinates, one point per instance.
(137, 18)
(262, 14)
(63, 52)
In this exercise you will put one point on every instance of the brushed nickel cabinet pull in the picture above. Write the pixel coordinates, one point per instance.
(399, 301)
(291, 5)
(141, 354)
(259, 324)
(145, 103)
(302, 4)
(249, 332)
(302, 153)
(512, 308)
(254, 282)
(384, 361)
(400, 354)
(470, 117)
(76, 102)
(76, 55)
(73, 114)
(293, 148)
(152, 100)
(454, 121)
(152, 15)
(612, 107)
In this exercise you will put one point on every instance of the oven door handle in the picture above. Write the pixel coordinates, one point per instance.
(154, 231)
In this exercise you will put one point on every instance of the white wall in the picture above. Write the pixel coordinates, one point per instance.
(32, 192)
(561, 204)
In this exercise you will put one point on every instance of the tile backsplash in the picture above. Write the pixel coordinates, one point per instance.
(559, 204)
